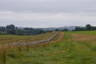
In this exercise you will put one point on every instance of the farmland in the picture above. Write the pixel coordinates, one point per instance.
(68, 48)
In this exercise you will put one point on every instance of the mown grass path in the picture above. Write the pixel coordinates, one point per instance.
(5, 48)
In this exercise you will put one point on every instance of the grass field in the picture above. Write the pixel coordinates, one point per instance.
(16, 38)
(74, 48)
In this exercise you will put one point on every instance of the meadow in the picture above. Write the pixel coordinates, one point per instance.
(23, 38)
(68, 48)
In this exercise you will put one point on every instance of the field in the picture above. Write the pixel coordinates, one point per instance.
(72, 48)
(16, 38)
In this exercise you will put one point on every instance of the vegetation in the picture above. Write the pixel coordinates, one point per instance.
(5, 48)
(12, 29)
(88, 27)
(25, 38)
(74, 48)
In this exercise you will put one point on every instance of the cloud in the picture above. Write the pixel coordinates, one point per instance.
(47, 13)
(55, 19)
(49, 5)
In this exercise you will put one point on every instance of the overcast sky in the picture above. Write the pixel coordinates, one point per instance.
(47, 13)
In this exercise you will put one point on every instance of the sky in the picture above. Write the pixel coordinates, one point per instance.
(47, 13)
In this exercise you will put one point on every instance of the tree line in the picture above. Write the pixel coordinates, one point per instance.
(12, 29)
(88, 27)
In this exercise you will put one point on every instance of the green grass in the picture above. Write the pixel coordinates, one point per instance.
(66, 51)
(85, 32)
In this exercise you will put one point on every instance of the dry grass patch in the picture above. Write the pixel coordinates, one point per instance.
(82, 37)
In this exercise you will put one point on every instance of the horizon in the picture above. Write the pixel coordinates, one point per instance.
(46, 27)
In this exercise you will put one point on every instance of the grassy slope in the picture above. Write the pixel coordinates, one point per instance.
(66, 51)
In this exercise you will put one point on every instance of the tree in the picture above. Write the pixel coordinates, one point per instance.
(2, 29)
(88, 27)
(11, 29)
(79, 28)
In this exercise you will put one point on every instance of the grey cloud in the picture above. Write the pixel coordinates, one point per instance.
(49, 5)
(47, 13)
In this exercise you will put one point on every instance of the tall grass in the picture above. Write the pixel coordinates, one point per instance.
(6, 48)
(70, 49)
